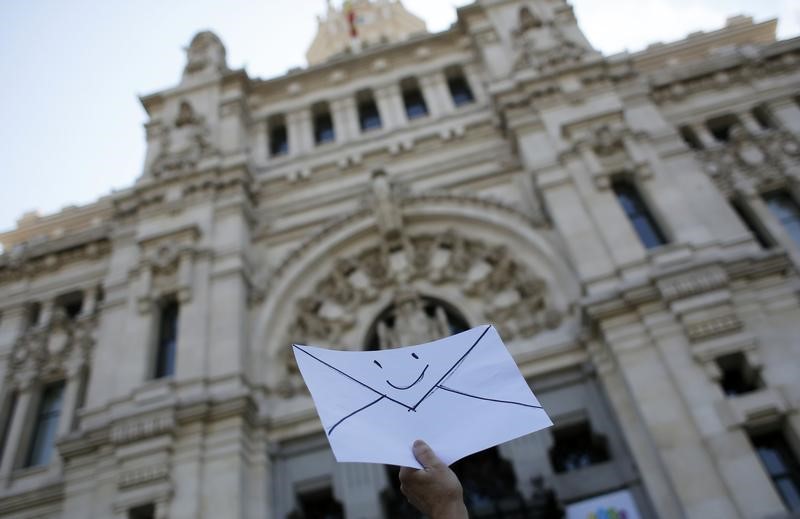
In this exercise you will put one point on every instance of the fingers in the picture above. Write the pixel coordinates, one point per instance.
(425, 455)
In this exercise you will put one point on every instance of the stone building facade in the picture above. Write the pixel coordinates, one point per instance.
(630, 224)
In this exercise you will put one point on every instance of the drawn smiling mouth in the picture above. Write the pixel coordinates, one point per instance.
(413, 383)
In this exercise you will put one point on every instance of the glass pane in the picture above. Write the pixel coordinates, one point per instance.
(460, 91)
(789, 492)
(772, 460)
(46, 425)
(786, 211)
(167, 340)
(415, 104)
(369, 117)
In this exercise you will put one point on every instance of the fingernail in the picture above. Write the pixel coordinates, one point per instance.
(419, 443)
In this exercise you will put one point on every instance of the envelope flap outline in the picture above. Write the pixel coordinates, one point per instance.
(411, 405)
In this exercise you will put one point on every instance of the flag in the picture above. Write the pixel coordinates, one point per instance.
(350, 14)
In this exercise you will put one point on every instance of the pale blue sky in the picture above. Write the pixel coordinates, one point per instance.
(72, 70)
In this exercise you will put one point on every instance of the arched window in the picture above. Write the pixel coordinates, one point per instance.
(414, 319)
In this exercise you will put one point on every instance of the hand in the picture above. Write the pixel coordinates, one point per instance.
(434, 490)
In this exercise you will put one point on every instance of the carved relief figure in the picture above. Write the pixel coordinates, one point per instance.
(542, 45)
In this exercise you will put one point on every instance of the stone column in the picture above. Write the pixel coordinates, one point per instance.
(704, 135)
(299, 131)
(46, 313)
(69, 403)
(474, 81)
(89, 302)
(749, 122)
(528, 457)
(343, 112)
(260, 143)
(437, 96)
(787, 112)
(14, 440)
(390, 105)
(360, 485)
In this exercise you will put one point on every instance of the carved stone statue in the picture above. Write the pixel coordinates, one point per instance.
(205, 54)
(387, 213)
(542, 45)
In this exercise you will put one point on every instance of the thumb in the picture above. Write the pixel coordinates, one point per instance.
(425, 455)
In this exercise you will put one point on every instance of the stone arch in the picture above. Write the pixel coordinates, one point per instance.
(489, 260)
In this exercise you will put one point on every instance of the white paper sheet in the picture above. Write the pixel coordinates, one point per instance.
(461, 394)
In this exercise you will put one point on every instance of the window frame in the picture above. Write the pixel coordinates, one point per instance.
(793, 231)
(791, 470)
(638, 212)
(166, 348)
(44, 427)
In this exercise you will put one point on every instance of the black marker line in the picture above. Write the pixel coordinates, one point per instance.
(410, 385)
(353, 379)
(489, 399)
(451, 368)
(354, 413)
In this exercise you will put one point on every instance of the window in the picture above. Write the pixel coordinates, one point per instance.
(147, 511)
(11, 406)
(782, 466)
(785, 209)
(413, 99)
(71, 304)
(755, 228)
(369, 117)
(576, 446)
(764, 118)
(720, 127)
(320, 504)
(167, 339)
(738, 376)
(638, 214)
(323, 124)
(33, 314)
(690, 137)
(278, 138)
(459, 88)
(46, 425)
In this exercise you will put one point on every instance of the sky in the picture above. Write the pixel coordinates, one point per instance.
(73, 71)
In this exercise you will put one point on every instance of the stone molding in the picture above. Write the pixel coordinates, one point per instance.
(143, 475)
(47, 495)
(140, 428)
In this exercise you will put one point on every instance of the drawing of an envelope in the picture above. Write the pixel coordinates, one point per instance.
(461, 394)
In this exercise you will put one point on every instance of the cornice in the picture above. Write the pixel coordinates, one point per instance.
(50, 494)
(686, 281)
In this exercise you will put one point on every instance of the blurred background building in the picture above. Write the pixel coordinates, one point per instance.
(630, 224)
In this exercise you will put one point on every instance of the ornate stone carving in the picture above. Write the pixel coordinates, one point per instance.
(752, 163)
(143, 475)
(142, 427)
(183, 144)
(61, 347)
(514, 299)
(542, 45)
(205, 53)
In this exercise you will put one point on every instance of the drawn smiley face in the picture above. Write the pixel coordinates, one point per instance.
(409, 386)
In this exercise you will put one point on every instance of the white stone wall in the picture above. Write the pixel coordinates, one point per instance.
(502, 207)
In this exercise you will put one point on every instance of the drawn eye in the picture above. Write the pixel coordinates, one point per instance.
(378, 364)
(414, 355)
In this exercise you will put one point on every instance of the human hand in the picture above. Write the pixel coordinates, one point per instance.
(435, 489)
